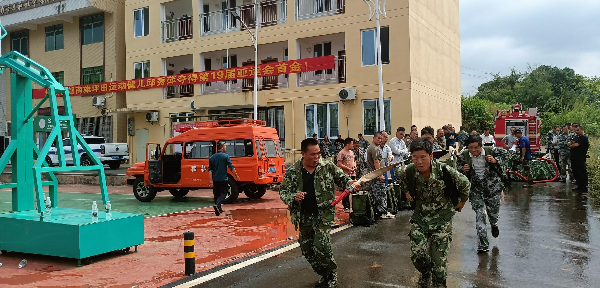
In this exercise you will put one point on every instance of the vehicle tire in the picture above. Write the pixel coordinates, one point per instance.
(179, 193)
(114, 165)
(256, 191)
(141, 192)
(233, 192)
(85, 160)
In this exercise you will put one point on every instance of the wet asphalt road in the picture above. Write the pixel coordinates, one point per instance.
(549, 237)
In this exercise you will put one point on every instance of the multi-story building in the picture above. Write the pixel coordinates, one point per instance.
(80, 42)
(420, 52)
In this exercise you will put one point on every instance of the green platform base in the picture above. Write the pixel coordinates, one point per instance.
(69, 232)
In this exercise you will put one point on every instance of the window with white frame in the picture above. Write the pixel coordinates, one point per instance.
(369, 55)
(371, 116)
(141, 69)
(141, 22)
(322, 119)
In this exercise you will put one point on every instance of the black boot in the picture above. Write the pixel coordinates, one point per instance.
(424, 280)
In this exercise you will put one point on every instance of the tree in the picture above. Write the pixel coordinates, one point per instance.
(479, 113)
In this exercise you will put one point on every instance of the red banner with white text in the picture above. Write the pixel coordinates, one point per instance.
(264, 70)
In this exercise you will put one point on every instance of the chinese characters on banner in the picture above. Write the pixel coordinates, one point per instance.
(271, 69)
(24, 5)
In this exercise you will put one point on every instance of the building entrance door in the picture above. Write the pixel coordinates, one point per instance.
(141, 138)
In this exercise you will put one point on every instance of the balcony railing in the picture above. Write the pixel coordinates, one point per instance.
(177, 29)
(308, 9)
(178, 91)
(323, 77)
(246, 85)
(271, 12)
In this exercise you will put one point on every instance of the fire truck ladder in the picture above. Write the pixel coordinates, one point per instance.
(27, 173)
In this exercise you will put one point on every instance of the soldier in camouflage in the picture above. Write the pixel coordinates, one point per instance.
(483, 168)
(308, 188)
(376, 186)
(361, 161)
(564, 153)
(431, 222)
(462, 136)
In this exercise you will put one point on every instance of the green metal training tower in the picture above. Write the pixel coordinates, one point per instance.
(65, 232)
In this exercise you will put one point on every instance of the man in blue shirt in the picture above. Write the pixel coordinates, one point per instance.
(450, 136)
(525, 150)
(217, 173)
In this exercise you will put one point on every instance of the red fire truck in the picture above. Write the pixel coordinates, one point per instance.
(527, 121)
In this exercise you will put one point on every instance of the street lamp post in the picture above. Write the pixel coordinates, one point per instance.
(254, 38)
(377, 10)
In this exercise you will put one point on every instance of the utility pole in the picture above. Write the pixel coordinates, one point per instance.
(254, 38)
(377, 9)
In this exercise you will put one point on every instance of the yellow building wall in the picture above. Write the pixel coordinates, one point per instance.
(408, 82)
(435, 63)
(110, 53)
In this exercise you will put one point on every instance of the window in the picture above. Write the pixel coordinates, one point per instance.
(173, 149)
(371, 116)
(92, 29)
(141, 69)
(322, 50)
(19, 41)
(54, 37)
(60, 77)
(200, 149)
(92, 75)
(239, 148)
(271, 148)
(140, 22)
(322, 119)
(369, 56)
(94, 140)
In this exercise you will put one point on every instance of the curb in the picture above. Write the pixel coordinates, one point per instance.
(76, 179)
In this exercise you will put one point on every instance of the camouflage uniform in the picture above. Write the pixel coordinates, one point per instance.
(485, 193)
(325, 148)
(440, 141)
(376, 187)
(461, 137)
(431, 222)
(361, 162)
(314, 239)
(564, 153)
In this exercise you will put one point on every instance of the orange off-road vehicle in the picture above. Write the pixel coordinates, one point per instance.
(182, 164)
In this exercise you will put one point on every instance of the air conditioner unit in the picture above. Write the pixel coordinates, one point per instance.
(98, 101)
(347, 94)
(152, 116)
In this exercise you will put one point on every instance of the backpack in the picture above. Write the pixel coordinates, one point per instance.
(494, 167)
(362, 210)
(450, 190)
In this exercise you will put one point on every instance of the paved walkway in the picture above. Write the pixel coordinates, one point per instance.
(246, 228)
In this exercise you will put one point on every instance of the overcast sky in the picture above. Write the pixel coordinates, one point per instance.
(497, 35)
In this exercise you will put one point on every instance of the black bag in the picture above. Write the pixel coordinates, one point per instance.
(362, 210)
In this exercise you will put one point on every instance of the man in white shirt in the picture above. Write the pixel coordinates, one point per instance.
(399, 149)
(386, 152)
(487, 138)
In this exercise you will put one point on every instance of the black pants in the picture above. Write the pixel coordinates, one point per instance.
(346, 200)
(580, 171)
(220, 192)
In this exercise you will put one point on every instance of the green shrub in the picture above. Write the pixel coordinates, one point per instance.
(586, 114)
(593, 166)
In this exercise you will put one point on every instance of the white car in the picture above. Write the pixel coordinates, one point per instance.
(108, 153)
